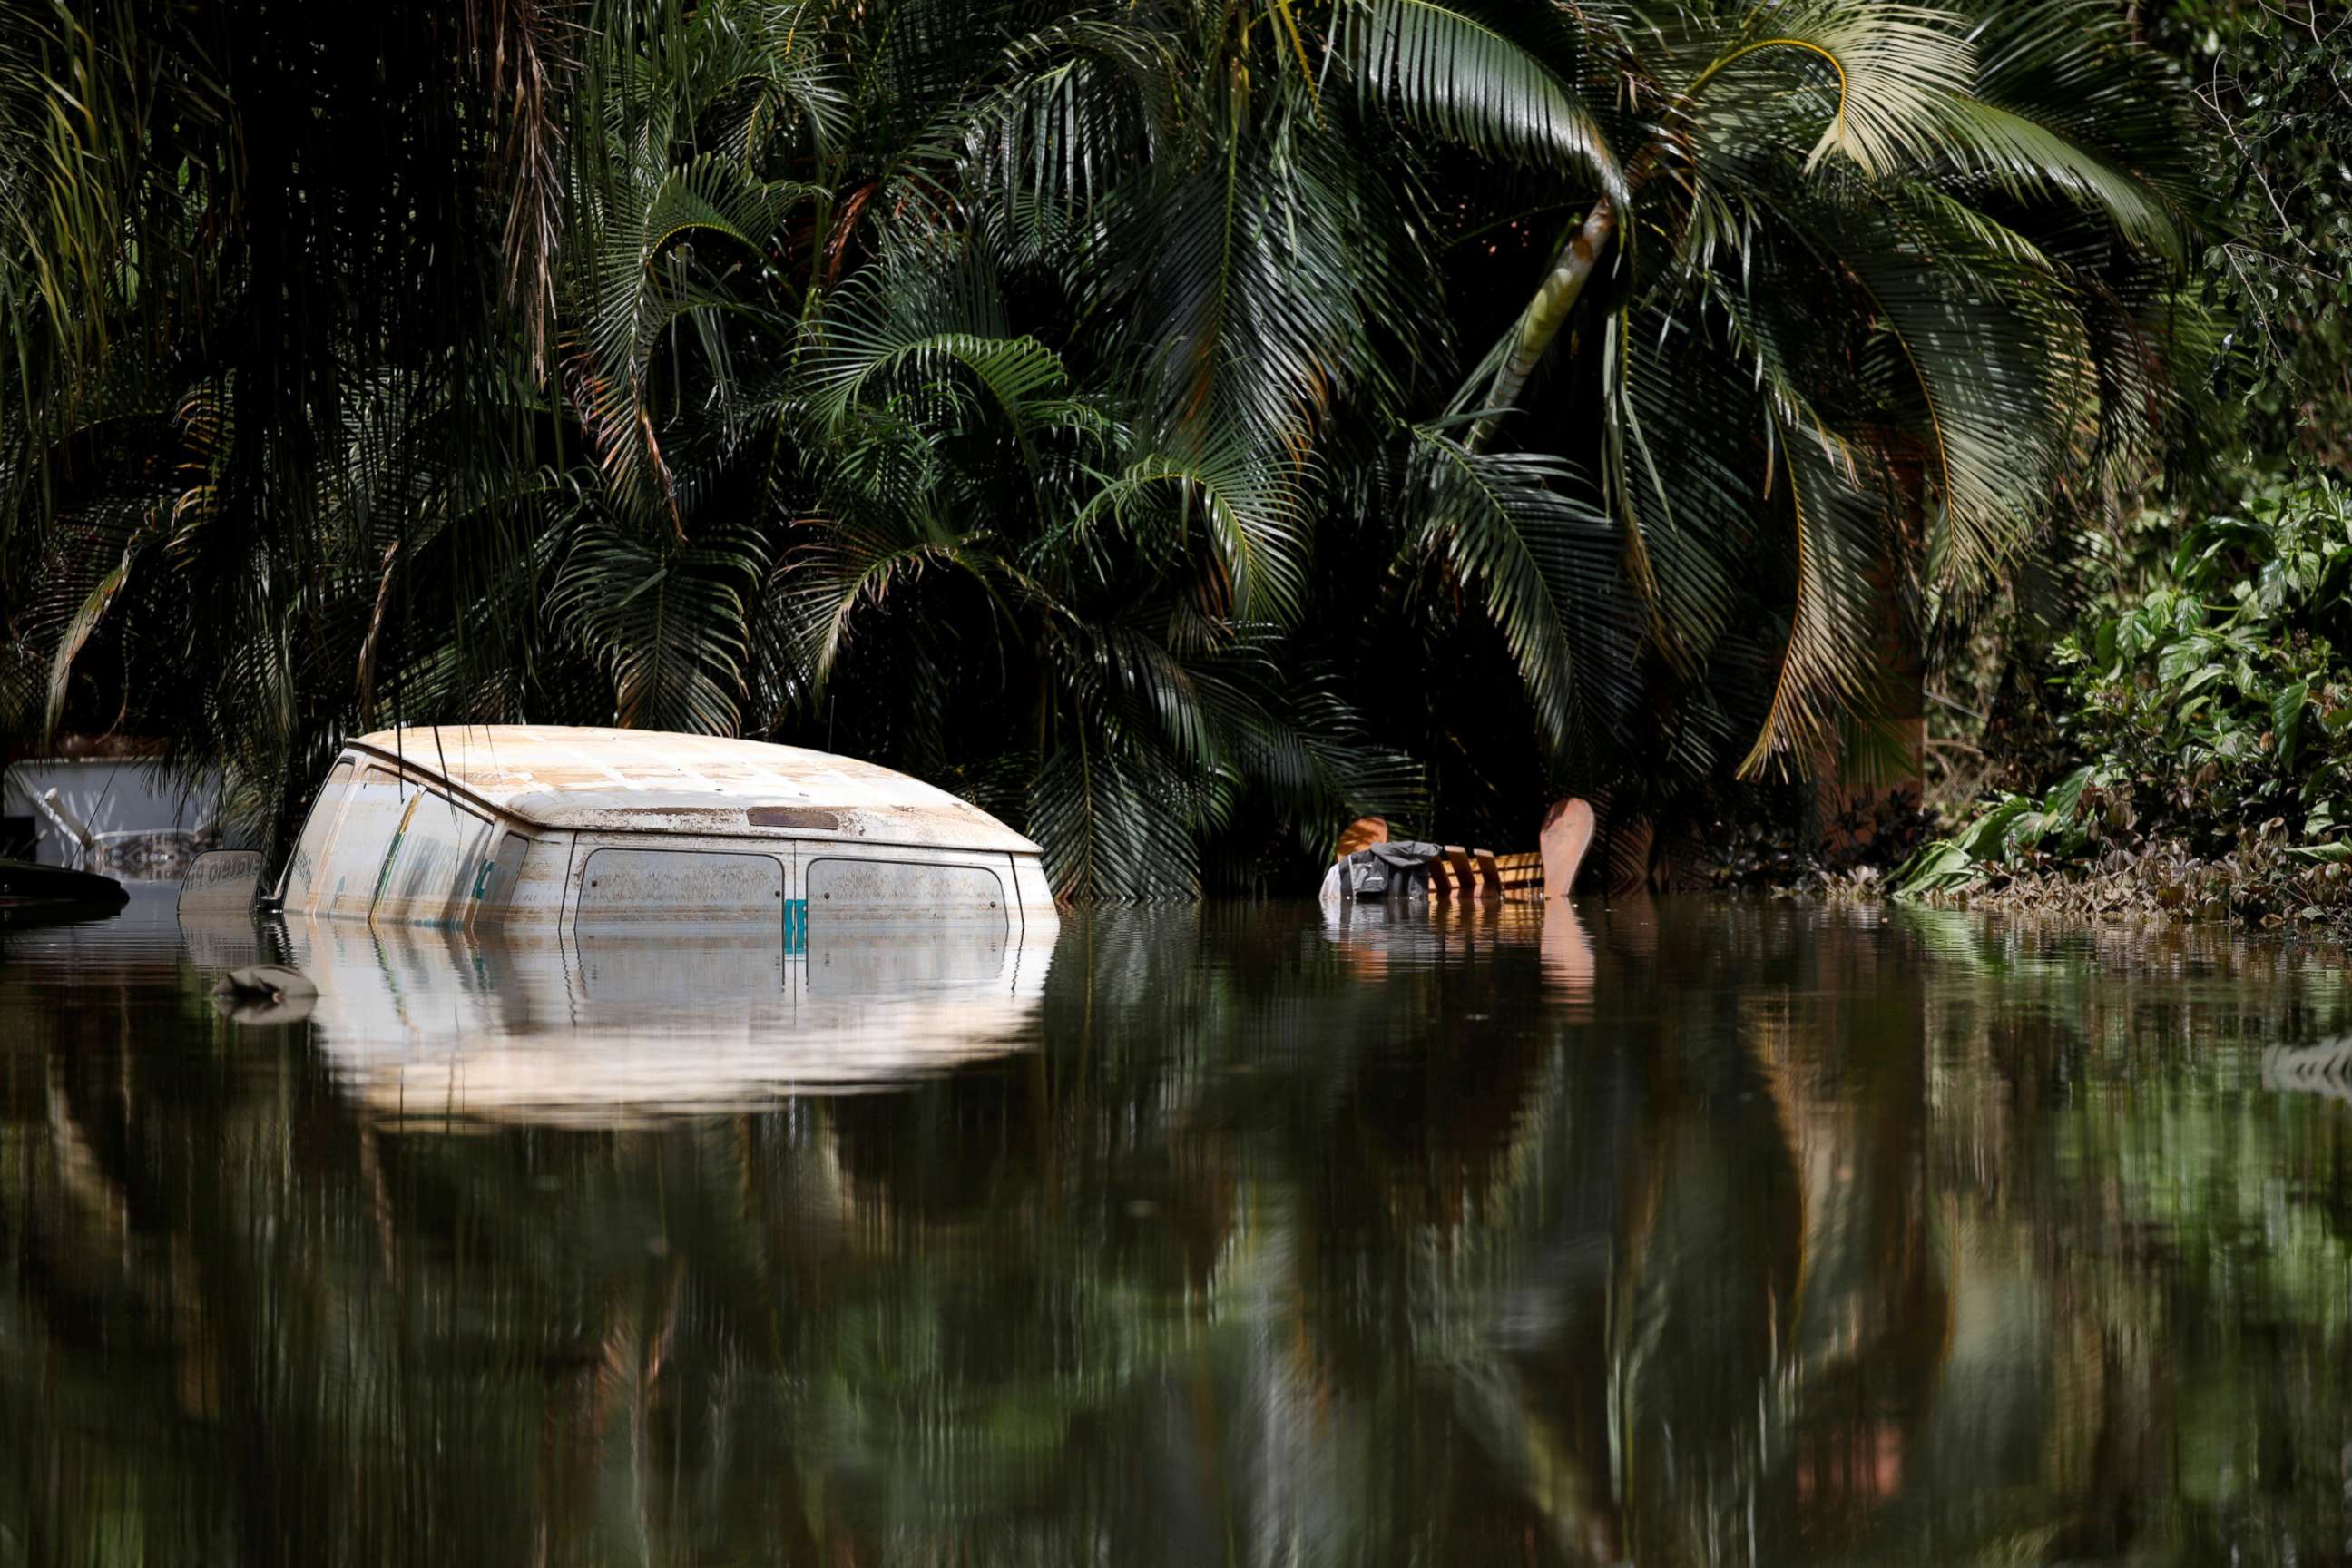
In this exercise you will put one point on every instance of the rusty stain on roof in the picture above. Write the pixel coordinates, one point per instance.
(594, 780)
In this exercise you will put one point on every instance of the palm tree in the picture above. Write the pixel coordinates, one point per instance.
(1084, 406)
(257, 282)
(1912, 270)
(1881, 288)
(1840, 243)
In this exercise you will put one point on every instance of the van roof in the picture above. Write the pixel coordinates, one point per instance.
(651, 781)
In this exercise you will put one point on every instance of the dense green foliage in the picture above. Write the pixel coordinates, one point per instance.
(2214, 713)
(2274, 76)
(1177, 428)
(2158, 723)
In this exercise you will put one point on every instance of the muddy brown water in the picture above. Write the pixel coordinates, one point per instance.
(1676, 1232)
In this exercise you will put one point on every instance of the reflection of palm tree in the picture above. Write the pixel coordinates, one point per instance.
(1867, 1323)
(1202, 1274)
(1742, 1334)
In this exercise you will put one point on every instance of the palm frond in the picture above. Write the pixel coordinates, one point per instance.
(1894, 71)
(842, 568)
(913, 323)
(2067, 107)
(1992, 363)
(1112, 823)
(629, 229)
(1453, 73)
(1678, 427)
(85, 621)
(1544, 562)
(666, 620)
(1835, 632)
(1252, 514)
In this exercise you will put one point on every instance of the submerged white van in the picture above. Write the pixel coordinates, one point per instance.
(617, 830)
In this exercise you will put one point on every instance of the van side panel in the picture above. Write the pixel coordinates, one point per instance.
(1032, 888)
(907, 890)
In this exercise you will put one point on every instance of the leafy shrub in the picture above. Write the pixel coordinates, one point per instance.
(2213, 721)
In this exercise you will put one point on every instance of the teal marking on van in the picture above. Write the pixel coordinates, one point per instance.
(797, 925)
(383, 876)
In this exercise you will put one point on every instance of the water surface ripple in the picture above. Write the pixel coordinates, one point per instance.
(1673, 1233)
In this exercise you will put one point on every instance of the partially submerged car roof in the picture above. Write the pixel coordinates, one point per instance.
(645, 781)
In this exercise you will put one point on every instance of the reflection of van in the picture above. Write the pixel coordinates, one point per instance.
(611, 830)
(522, 1024)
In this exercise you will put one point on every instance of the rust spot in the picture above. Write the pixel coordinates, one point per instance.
(820, 817)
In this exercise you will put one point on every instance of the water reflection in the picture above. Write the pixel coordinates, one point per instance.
(432, 1025)
(1685, 1233)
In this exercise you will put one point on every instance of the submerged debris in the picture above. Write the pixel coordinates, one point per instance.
(265, 994)
(2261, 883)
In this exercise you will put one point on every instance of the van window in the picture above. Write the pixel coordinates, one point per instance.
(625, 886)
(903, 893)
(309, 861)
(434, 860)
(355, 857)
(497, 885)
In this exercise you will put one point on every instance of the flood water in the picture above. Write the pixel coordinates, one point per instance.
(1684, 1232)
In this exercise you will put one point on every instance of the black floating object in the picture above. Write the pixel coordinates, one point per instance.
(25, 886)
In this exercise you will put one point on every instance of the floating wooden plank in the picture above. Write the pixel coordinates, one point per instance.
(1520, 874)
(1457, 863)
(1441, 879)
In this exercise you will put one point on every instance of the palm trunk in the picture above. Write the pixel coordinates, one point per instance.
(1545, 315)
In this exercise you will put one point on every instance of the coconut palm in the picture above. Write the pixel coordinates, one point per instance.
(1881, 288)
(1858, 290)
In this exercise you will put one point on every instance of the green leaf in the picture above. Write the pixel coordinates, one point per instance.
(2063, 801)
(1941, 867)
(2287, 721)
